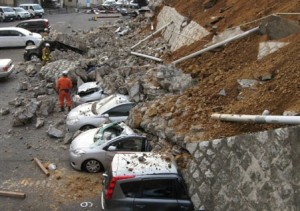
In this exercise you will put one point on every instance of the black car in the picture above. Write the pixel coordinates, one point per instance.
(35, 52)
(35, 25)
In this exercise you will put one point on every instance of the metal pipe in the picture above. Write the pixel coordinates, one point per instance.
(257, 118)
(151, 35)
(146, 56)
(239, 36)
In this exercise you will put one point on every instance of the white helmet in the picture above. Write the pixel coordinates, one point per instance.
(47, 45)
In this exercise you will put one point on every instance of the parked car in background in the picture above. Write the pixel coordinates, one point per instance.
(6, 67)
(35, 25)
(91, 115)
(7, 14)
(33, 9)
(18, 37)
(21, 13)
(94, 149)
(144, 181)
(88, 92)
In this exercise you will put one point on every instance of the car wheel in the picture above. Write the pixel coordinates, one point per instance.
(1, 19)
(87, 127)
(18, 17)
(34, 57)
(92, 166)
(29, 43)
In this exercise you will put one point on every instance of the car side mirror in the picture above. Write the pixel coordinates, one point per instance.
(112, 148)
(106, 115)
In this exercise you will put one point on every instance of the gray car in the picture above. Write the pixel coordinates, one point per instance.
(88, 92)
(144, 181)
(114, 108)
(94, 149)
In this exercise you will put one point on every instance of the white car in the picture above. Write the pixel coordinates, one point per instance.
(18, 37)
(94, 149)
(114, 108)
(6, 67)
(21, 13)
(88, 92)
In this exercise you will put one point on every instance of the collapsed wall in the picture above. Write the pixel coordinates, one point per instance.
(182, 31)
(257, 171)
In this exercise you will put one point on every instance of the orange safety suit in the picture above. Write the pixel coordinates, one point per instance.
(63, 87)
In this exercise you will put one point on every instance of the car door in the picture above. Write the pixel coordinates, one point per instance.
(17, 38)
(124, 144)
(119, 113)
(156, 194)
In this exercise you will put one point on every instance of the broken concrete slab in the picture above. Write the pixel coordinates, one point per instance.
(277, 27)
(54, 132)
(266, 48)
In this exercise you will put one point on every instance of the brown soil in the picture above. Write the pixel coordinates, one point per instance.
(238, 60)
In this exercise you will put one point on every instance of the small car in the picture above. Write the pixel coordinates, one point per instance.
(33, 9)
(21, 13)
(88, 92)
(144, 181)
(6, 67)
(91, 115)
(35, 25)
(7, 14)
(18, 37)
(93, 150)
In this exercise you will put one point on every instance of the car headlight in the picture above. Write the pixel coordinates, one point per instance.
(79, 152)
(72, 120)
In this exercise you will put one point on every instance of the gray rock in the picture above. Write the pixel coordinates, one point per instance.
(39, 122)
(54, 132)
(4, 111)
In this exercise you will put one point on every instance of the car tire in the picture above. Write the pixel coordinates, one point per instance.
(34, 57)
(29, 43)
(18, 17)
(92, 166)
(87, 127)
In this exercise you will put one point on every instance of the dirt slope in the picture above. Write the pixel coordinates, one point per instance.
(238, 60)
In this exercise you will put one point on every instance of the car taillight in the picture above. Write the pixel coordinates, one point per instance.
(5, 68)
(46, 24)
(112, 185)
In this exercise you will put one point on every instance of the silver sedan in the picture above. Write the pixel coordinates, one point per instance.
(94, 149)
(114, 108)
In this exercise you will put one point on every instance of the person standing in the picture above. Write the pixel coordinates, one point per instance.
(63, 88)
(46, 54)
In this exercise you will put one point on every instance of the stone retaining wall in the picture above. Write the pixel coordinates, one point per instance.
(249, 172)
(182, 32)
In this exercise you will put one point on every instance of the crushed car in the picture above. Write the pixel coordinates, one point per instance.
(91, 115)
(144, 181)
(94, 149)
(88, 92)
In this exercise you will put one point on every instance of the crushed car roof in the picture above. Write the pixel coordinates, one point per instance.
(89, 85)
(141, 163)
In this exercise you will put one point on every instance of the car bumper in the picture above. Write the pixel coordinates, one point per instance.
(7, 73)
(9, 18)
(75, 161)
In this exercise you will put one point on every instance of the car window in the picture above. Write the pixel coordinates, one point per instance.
(4, 33)
(15, 33)
(158, 189)
(130, 188)
(131, 144)
(120, 110)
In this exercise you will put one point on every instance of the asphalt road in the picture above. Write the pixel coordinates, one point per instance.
(62, 190)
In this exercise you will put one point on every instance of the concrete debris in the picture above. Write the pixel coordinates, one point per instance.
(17, 102)
(222, 92)
(39, 122)
(54, 132)
(247, 83)
(25, 115)
(4, 111)
(266, 48)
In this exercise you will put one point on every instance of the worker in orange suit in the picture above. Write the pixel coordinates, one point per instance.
(63, 88)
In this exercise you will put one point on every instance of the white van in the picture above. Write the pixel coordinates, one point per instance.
(7, 14)
(33, 9)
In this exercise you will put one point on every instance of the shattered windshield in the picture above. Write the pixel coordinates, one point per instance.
(107, 132)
